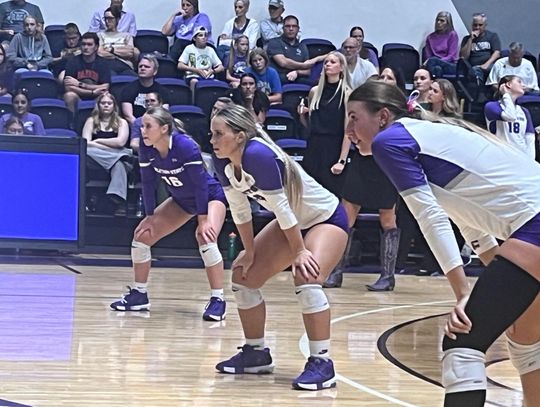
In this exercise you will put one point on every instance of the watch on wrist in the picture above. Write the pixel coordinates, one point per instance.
(342, 162)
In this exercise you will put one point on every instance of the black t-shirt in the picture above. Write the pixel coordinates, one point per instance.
(93, 73)
(135, 94)
(297, 52)
(483, 47)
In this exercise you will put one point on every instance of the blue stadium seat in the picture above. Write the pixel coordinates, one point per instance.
(318, 46)
(195, 122)
(38, 84)
(292, 93)
(176, 91)
(151, 41)
(5, 105)
(84, 110)
(168, 68)
(280, 124)
(402, 56)
(294, 147)
(206, 93)
(53, 113)
(60, 133)
(55, 36)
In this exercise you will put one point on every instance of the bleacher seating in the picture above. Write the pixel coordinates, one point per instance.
(150, 41)
(38, 84)
(196, 123)
(176, 91)
(318, 46)
(532, 104)
(402, 56)
(280, 124)
(84, 110)
(5, 105)
(53, 112)
(60, 133)
(206, 93)
(55, 36)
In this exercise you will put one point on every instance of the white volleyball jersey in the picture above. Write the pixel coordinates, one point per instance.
(262, 177)
(488, 189)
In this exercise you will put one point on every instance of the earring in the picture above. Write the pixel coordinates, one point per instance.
(381, 125)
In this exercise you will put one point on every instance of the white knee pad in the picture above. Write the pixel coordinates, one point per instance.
(312, 298)
(210, 254)
(463, 369)
(246, 298)
(140, 252)
(525, 358)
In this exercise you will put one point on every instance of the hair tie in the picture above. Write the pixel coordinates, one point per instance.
(411, 101)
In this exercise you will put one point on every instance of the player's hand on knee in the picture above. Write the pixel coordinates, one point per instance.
(243, 263)
(306, 265)
(146, 226)
(458, 322)
(206, 232)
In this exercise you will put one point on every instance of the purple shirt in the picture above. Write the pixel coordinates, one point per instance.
(32, 124)
(183, 172)
(184, 28)
(442, 45)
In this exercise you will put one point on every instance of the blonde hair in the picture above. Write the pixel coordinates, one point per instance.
(239, 119)
(450, 106)
(344, 87)
(97, 117)
(165, 118)
(377, 95)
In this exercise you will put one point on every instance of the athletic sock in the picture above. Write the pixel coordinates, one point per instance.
(217, 293)
(320, 349)
(257, 343)
(140, 287)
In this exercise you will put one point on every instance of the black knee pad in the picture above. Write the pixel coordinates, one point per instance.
(502, 293)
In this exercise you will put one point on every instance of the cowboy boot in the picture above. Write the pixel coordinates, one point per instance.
(388, 256)
(335, 279)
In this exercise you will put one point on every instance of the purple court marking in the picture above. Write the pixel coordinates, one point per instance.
(5, 403)
(36, 316)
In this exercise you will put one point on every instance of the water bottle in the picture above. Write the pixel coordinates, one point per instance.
(140, 207)
(231, 252)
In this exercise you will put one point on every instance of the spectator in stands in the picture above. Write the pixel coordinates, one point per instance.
(235, 62)
(12, 15)
(116, 46)
(359, 69)
(289, 56)
(133, 96)
(182, 24)
(14, 126)
(126, 22)
(357, 32)
(238, 25)
(87, 75)
(328, 147)
(514, 64)
(481, 48)
(152, 99)
(443, 99)
(393, 76)
(30, 50)
(267, 77)
(199, 60)
(106, 134)
(441, 49)
(422, 82)
(72, 47)
(509, 121)
(6, 73)
(251, 98)
(273, 27)
(32, 123)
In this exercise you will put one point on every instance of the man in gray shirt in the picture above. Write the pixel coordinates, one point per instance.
(12, 15)
(273, 27)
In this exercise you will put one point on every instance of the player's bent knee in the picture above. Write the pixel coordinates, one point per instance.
(140, 252)
(210, 254)
(246, 298)
(463, 369)
(311, 298)
(525, 358)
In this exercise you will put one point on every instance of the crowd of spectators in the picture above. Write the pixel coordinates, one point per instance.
(255, 58)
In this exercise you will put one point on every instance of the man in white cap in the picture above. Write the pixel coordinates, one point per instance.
(273, 27)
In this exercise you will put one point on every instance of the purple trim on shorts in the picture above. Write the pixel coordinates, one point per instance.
(338, 218)
(529, 232)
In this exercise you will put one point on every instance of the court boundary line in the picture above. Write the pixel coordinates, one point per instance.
(304, 349)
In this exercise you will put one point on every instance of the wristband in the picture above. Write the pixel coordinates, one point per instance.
(342, 162)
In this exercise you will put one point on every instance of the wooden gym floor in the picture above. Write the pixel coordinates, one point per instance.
(60, 345)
